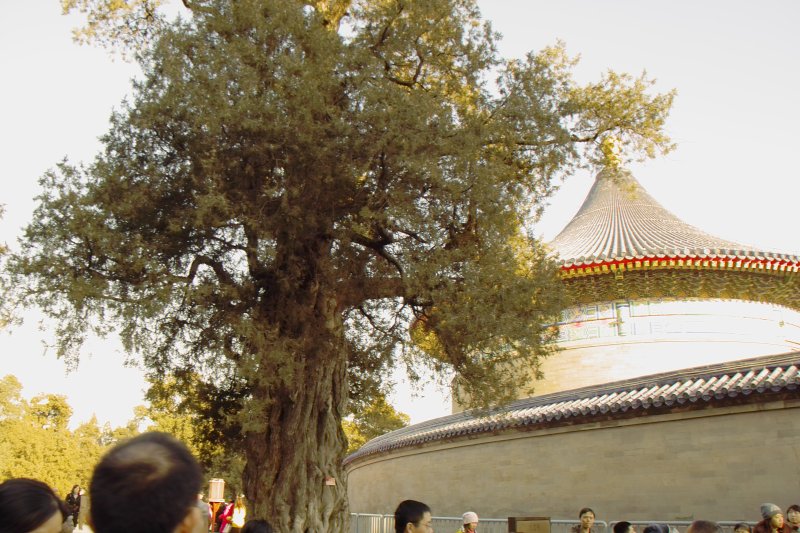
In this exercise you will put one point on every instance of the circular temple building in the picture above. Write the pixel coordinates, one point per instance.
(674, 395)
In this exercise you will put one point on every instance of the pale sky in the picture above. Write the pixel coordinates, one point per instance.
(735, 64)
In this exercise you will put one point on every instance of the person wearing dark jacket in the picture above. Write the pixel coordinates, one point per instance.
(772, 520)
(73, 500)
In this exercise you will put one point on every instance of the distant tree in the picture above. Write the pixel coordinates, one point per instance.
(376, 419)
(89, 437)
(110, 435)
(35, 440)
(11, 402)
(165, 417)
(12, 408)
(292, 186)
(50, 411)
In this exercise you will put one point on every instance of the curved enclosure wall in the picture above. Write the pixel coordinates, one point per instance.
(718, 464)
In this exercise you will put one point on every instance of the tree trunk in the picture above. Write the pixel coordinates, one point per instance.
(293, 463)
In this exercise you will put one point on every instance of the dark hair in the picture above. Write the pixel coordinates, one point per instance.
(622, 527)
(586, 510)
(703, 526)
(409, 511)
(153, 471)
(257, 526)
(26, 504)
(793, 507)
(745, 525)
(656, 528)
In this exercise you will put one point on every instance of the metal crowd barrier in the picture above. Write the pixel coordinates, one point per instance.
(565, 526)
(451, 524)
(679, 526)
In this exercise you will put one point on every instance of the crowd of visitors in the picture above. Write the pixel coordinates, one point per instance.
(153, 471)
(415, 517)
(156, 472)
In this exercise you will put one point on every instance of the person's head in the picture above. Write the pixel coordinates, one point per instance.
(412, 516)
(257, 526)
(656, 528)
(586, 516)
(624, 527)
(793, 514)
(772, 514)
(703, 526)
(240, 501)
(470, 521)
(742, 527)
(153, 471)
(30, 506)
(76, 490)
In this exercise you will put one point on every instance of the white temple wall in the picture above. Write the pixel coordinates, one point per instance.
(613, 341)
(583, 366)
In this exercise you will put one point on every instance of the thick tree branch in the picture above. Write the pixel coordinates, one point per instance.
(216, 266)
(379, 246)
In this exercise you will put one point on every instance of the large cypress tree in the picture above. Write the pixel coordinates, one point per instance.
(296, 189)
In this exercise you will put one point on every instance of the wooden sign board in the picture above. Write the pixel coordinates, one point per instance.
(529, 524)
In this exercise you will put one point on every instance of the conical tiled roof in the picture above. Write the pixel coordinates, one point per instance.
(620, 220)
(623, 244)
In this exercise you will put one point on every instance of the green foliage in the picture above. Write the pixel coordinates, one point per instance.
(201, 221)
(5, 311)
(11, 403)
(36, 442)
(121, 25)
(377, 418)
(50, 411)
(178, 408)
